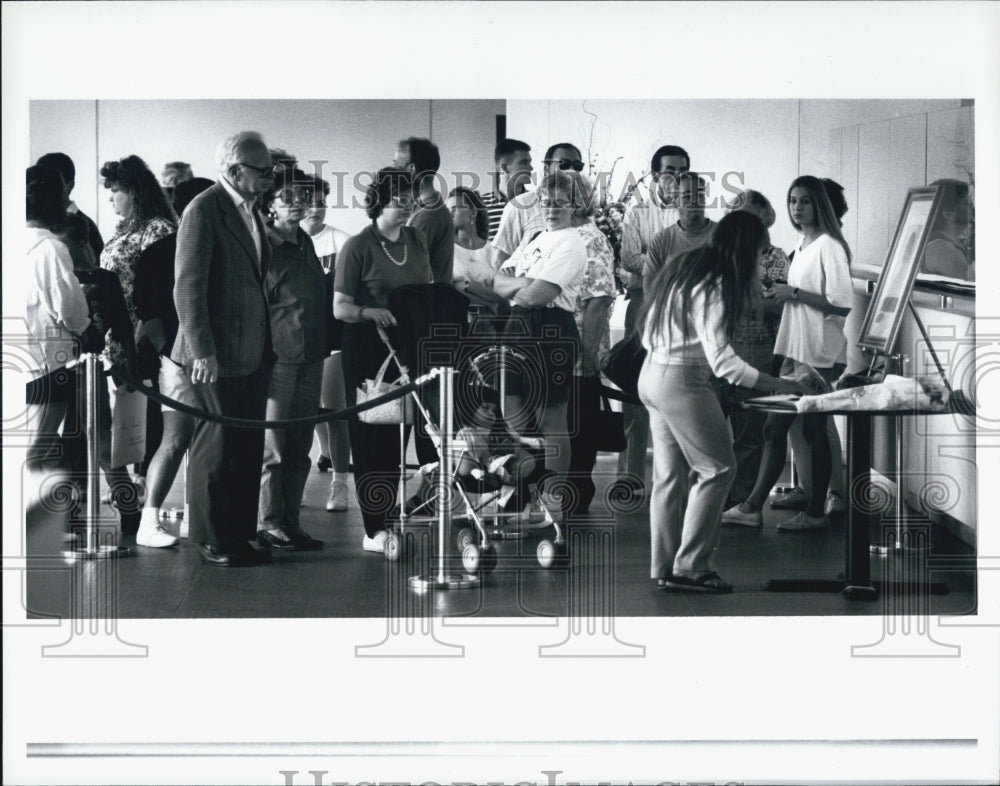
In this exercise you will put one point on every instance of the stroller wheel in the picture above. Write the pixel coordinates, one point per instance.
(552, 554)
(397, 547)
(470, 558)
(479, 558)
(466, 537)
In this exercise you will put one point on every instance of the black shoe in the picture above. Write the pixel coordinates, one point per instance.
(232, 556)
(323, 464)
(270, 540)
(303, 540)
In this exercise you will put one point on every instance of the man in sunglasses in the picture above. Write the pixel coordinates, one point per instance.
(224, 343)
(522, 217)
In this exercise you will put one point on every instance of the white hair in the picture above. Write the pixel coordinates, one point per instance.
(231, 149)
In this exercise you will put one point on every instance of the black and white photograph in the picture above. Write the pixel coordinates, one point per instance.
(463, 392)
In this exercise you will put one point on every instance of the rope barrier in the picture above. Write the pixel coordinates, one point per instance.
(343, 414)
(224, 420)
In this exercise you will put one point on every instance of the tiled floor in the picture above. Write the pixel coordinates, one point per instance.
(608, 575)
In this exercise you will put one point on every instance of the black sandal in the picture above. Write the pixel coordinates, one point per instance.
(708, 582)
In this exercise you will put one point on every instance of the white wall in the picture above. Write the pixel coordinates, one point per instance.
(756, 138)
(352, 136)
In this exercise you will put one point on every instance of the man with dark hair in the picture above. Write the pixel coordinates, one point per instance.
(512, 158)
(522, 216)
(431, 216)
(63, 164)
(643, 221)
(224, 344)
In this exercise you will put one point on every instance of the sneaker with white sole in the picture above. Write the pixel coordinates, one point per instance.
(736, 515)
(338, 496)
(152, 533)
(795, 499)
(376, 542)
(802, 522)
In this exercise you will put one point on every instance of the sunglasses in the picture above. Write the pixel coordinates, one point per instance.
(263, 171)
(289, 195)
(565, 163)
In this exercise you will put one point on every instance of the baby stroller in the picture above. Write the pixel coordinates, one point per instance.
(494, 466)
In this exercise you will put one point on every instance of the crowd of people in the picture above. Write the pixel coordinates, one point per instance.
(235, 297)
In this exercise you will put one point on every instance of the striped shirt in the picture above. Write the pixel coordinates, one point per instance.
(494, 208)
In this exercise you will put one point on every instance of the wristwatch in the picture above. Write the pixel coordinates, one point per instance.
(795, 293)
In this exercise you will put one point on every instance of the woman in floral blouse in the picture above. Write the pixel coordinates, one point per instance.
(146, 217)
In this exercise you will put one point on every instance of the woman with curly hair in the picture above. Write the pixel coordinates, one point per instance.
(385, 255)
(146, 216)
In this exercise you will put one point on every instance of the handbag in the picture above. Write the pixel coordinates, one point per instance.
(623, 363)
(393, 412)
(128, 428)
(609, 428)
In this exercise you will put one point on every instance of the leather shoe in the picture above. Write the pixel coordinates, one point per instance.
(231, 556)
(270, 540)
(303, 541)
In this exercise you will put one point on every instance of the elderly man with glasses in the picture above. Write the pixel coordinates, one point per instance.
(522, 217)
(224, 343)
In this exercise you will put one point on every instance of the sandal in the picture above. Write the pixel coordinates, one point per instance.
(708, 582)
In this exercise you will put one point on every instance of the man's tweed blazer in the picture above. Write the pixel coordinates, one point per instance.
(218, 289)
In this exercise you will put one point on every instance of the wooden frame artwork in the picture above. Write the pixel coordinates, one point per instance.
(892, 293)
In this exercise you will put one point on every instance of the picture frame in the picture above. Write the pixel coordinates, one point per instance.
(895, 283)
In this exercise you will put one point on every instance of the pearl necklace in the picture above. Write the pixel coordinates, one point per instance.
(393, 259)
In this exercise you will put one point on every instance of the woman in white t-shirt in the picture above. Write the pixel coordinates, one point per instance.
(474, 256)
(541, 280)
(817, 299)
(334, 442)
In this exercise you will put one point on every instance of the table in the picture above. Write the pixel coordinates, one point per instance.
(857, 582)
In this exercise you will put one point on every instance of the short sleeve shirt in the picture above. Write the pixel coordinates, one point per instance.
(806, 334)
(521, 218)
(366, 272)
(559, 257)
(439, 232)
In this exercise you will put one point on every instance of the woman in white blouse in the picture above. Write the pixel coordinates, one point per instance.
(816, 299)
(692, 308)
(474, 256)
(542, 283)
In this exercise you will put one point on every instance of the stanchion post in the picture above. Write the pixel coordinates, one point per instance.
(91, 548)
(439, 579)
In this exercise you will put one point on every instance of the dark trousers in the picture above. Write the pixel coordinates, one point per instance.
(374, 448)
(224, 463)
(584, 402)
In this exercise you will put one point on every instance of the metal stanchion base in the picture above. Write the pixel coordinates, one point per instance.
(101, 552)
(442, 581)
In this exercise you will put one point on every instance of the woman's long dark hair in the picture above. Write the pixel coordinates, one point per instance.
(827, 219)
(727, 263)
(475, 202)
(131, 174)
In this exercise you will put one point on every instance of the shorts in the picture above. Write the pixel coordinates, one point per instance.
(175, 383)
(549, 343)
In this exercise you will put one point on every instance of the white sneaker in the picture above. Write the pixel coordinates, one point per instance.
(338, 496)
(802, 522)
(152, 534)
(376, 542)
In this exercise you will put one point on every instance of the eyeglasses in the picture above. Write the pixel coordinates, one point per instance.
(563, 204)
(565, 163)
(301, 195)
(263, 171)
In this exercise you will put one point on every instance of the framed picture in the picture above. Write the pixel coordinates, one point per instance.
(892, 293)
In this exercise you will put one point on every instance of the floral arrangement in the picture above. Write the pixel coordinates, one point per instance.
(609, 213)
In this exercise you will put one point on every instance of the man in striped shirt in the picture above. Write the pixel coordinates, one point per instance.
(513, 161)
